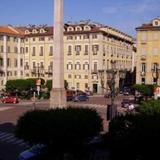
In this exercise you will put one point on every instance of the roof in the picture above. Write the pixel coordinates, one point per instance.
(8, 30)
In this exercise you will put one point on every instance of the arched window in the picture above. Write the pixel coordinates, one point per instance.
(86, 66)
(69, 66)
(78, 66)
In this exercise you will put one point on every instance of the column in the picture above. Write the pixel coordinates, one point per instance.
(58, 93)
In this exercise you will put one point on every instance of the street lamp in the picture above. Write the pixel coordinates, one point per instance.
(155, 73)
(111, 74)
(122, 75)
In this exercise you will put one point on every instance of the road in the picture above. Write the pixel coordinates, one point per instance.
(9, 114)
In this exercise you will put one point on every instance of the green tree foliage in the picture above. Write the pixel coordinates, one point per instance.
(49, 84)
(146, 90)
(64, 129)
(150, 107)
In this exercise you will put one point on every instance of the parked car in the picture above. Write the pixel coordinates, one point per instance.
(9, 99)
(81, 97)
(126, 103)
(32, 152)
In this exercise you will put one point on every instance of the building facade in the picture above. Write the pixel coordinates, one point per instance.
(89, 49)
(148, 53)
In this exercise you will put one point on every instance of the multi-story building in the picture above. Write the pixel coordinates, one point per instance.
(148, 53)
(11, 54)
(89, 50)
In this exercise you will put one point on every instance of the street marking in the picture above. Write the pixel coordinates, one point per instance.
(5, 108)
(10, 138)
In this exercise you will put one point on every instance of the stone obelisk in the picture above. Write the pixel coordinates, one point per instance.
(58, 94)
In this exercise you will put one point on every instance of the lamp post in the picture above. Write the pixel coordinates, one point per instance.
(155, 73)
(111, 74)
(122, 75)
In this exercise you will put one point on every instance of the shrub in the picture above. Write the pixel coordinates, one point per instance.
(63, 129)
(135, 137)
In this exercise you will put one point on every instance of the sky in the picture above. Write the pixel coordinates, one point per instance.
(124, 15)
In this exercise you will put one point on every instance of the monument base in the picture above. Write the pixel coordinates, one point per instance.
(58, 98)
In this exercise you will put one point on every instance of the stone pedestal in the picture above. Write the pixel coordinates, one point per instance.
(58, 98)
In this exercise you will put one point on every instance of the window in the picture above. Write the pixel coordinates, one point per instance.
(69, 50)
(1, 62)
(77, 49)
(69, 66)
(26, 49)
(143, 67)
(94, 36)
(143, 80)
(77, 85)
(51, 51)
(41, 65)
(95, 66)
(34, 39)
(95, 49)
(41, 38)
(26, 66)
(22, 50)
(69, 37)
(86, 49)
(86, 66)
(41, 51)
(78, 66)
(34, 65)
(1, 48)
(86, 36)
(33, 51)
(8, 38)
(86, 77)
(15, 62)
(8, 62)
(155, 67)
(86, 85)
(21, 62)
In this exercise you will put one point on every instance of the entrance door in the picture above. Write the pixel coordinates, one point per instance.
(95, 88)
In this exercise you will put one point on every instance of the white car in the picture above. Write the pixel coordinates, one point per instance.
(32, 152)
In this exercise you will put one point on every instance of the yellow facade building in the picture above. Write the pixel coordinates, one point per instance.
(88, 49)
(148, 53)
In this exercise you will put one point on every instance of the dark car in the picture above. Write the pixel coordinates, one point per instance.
(81, 97)
(125, 103)
(9, 99)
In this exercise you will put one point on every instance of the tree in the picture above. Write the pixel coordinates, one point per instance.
(49, 84)
(63, 130)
